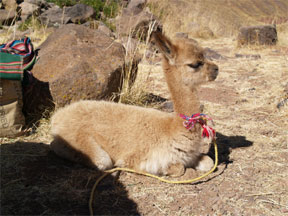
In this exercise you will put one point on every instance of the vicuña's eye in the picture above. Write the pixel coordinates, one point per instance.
(196, 65)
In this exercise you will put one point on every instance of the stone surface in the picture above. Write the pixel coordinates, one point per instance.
(54, 17)
(249, 56)
(258, 35)
(136, 6)
(80, 63)
(40, 3)
(7, 17)
(79, 13)
(135, 25)
(212, 54)
(28, 9)
(102, 27)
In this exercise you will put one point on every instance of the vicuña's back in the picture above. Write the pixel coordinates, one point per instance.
(106, 134)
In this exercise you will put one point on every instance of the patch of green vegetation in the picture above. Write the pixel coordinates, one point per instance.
(110, 25)
(111, 9)
(108, 7)
(31, 22)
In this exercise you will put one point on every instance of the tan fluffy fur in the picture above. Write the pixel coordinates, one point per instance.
(106, 134)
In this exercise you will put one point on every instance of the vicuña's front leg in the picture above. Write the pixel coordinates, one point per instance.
(176, 170)
(205, 164)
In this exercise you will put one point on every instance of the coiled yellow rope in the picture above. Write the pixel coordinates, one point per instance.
(107, 172)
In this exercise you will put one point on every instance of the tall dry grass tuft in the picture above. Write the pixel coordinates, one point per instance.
(32, 28)
(134, 84)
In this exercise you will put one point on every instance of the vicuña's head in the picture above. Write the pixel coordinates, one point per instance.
(185, 58)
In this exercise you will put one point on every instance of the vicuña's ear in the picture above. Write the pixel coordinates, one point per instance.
(165, 46)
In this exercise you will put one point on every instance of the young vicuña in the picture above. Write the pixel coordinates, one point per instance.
(106, 134)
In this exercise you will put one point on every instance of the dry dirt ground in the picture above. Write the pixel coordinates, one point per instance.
(251, 178)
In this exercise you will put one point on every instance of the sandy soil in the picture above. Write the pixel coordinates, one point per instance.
(251, 178)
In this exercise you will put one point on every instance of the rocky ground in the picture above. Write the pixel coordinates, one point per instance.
(251, 178)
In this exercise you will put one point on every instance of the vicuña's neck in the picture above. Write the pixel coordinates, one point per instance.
(185, 100)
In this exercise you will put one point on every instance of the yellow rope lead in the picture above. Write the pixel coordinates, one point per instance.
(107, 172)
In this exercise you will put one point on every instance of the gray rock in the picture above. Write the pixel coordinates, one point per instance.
(80, 13)
(77, 14)
(257, 35)
(255, 57)
(102, 27)
(27, 10)
(7, 17)
(136, 26)
(40, 3)
(80, 63)
(96, 24)
(136, 6)
(54, 17)
(282, 103)
(212, 54)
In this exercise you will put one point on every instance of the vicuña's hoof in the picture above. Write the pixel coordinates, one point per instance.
(205, 164)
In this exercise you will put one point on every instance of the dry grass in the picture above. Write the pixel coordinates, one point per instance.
(223, 17)
(38, 33)
(136, 92)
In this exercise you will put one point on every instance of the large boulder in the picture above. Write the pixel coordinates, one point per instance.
(258, 35)
(80, 63)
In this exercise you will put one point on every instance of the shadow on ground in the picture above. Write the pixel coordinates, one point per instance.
(34, 181)
(226, 144)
